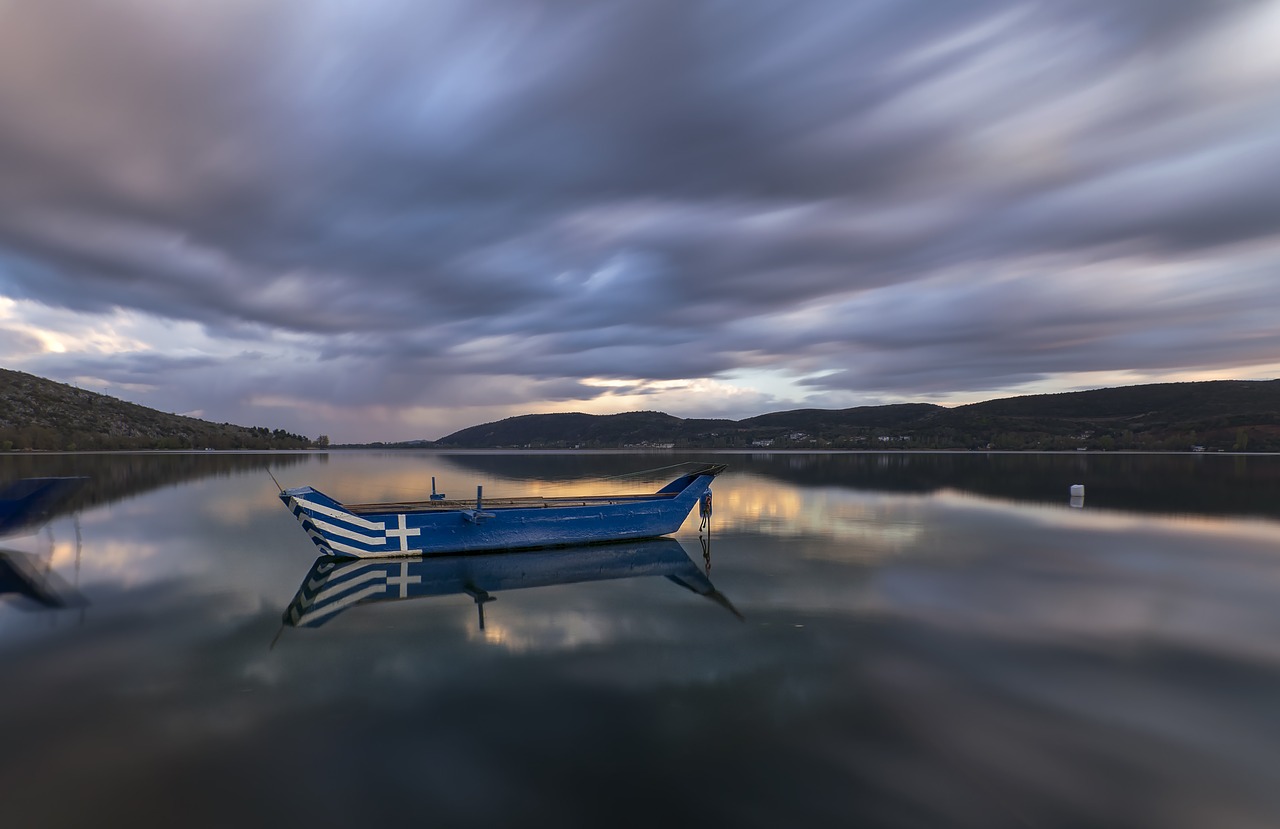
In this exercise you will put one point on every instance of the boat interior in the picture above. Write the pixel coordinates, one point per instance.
(527, 502)
(438, 503)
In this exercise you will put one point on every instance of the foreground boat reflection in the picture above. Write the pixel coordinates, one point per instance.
(27, 504)
(335, 584)
(35, 583)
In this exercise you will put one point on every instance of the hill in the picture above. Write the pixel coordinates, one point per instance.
(570, 429)
(1215, 415)
(36, 413)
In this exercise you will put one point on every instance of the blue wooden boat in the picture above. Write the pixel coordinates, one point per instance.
(440, 526)
(333, 585)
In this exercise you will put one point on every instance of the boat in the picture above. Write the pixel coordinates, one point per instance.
(333, 585)
(440, 526)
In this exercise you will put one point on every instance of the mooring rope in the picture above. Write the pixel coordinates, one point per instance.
(646, 472)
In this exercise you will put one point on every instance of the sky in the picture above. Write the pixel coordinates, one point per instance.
(392, 220)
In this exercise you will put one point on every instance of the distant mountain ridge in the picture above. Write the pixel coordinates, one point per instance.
(37, 413)
(1241, 415)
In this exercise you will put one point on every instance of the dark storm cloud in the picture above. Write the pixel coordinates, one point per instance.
(658, 190)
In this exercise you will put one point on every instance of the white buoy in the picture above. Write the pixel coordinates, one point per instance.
(1077, 490)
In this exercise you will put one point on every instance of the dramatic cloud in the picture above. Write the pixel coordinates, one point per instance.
(392, 220)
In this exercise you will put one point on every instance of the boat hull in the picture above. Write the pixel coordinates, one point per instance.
(429, 529)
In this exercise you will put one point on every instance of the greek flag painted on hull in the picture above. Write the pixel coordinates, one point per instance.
(333, 585)
(439, 526)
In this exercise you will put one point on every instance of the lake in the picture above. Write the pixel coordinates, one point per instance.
(898, 640)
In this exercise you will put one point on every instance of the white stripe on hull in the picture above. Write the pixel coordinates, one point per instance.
(340, 515)
(332, 530)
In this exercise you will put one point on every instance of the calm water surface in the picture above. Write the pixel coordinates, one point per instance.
(902, 640)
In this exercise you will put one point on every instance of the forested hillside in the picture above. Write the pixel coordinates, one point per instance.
(1239, 415)
(36, 413)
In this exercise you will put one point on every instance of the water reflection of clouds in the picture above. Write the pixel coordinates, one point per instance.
(877, 523)
(242, 505)
(203, 535)
(1063, 573)
(123, 544)
(1010, 570)
(949, 659)
(541, 631)
(1062, 516)
(1129, 583)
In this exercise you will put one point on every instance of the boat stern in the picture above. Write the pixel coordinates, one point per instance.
(685, 482)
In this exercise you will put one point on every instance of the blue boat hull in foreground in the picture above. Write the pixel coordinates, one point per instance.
(439, 527)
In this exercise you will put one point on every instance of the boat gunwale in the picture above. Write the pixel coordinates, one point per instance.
(520, 502)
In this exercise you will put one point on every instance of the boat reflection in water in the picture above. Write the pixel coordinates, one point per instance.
(26, 505)
(35, 584)
(335, 584)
